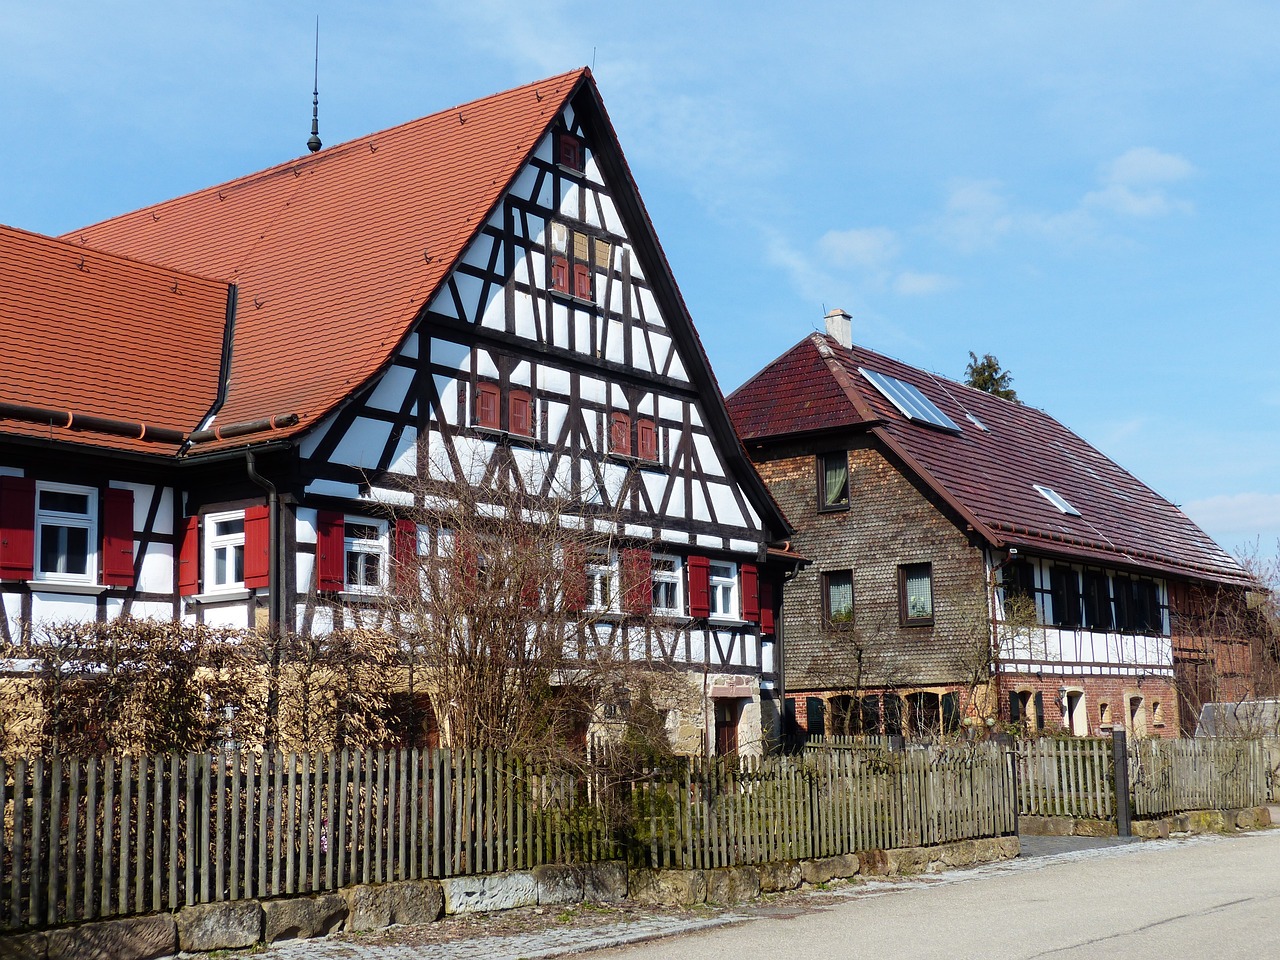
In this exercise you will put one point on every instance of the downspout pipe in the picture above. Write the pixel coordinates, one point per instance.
(274, 593)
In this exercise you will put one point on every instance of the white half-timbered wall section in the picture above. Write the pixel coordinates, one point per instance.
(546, 361)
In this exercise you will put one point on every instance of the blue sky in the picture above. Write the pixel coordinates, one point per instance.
(1087, 190)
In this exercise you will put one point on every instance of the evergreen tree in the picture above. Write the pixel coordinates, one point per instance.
(986, 374)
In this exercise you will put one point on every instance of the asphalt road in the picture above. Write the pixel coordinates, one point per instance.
(1169, 900)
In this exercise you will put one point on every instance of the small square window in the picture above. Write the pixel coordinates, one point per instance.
(487, 405)
(66, 532)
(569, 151)
(366, 556)
(837, 598)
(915, 594)
(833, 481)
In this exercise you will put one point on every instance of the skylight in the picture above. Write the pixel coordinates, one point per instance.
(1057, 500)
(913, 404)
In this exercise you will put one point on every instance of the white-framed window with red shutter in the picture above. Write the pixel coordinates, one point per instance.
(66, 533)
(117, 537)
(330, 553)
(569, 152)
(224, 551)
(666, 589)
(582, 281)
(17, 527)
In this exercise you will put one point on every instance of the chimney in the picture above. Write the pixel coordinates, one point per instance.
(840, 327)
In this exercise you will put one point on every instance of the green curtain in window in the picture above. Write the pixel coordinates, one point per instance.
(836, 481)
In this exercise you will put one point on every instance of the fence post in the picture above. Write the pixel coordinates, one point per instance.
(1120, 755)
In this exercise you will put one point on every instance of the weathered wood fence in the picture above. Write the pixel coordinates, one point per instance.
(1075, 777)
(110, 836)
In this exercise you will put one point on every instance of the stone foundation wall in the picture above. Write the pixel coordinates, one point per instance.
(1194, 821)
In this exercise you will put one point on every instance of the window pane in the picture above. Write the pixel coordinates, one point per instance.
(220, 567)
(664, 595)
(238, 563)
(228, 528)
(840, 596)
(919, 593)
(371, 573)
(362, 531)
(63, 502)
(835, 480)
(64, 549)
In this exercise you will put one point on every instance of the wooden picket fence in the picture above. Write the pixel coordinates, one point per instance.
(1065, 778)
(112, 836)
(105, 836)
(823, 803)
(1170, 776)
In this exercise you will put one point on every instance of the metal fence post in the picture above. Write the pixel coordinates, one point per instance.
(1120, 755)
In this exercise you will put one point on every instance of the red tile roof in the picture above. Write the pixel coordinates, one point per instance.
(334, 254)
(986, 475)
(101, 335)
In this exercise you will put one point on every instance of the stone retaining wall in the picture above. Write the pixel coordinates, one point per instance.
(242, 923)
(1195, 821)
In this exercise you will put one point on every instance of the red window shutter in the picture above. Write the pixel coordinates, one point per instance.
(189, 557)
(750, 583)
(699, 586)
(637, 581)
(404, 551)
(767, 625)
(582, 281)
(257, 547)
(330, 550)
(620, 434)
(17, 528)
(570, 153)
(646, 440)
(575, 577)
(117, 538)
(518, 413)
(487, 405)
(560, 274)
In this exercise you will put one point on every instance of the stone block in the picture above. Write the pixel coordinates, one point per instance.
(732, 884)
(780, 875)
(374, 906)
(873, 863)
(1151, 829)
(670, 887)
(303, 917)
(907, 860)
(1095, 828)
(495, 891)
(558, 883)
(961, 853)
(136, 938)
(24, 946)
(219, 926)
(604, 882)
(1008, 848)
(824, 869)
(1046, 826)
(1250, 818)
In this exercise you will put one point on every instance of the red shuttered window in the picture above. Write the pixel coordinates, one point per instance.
(637, 581)
(750, 580)
(620, 434)
(520, 413)
(575, 578)
(560, 274)
(646, 440)
(257, 547)
(404, 551)
(330, 550)
(569, 151)
(117, 538)
(17, 528)
(767, 625)
(699, 586)
(582, 281)
(487, 405)
(189, 557)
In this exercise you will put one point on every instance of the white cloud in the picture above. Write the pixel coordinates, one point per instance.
(871, 248)
(976, 215)
(1147, 165)
(1239, 514)
(908, 283)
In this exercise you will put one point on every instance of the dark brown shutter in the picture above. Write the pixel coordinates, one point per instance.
(330, 550)
(1015, 706)
(1039, 704)
(257, 546)
(699, 586)
(117, 538)
(17, 528)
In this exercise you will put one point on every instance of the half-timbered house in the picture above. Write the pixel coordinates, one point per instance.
(974, 559)
(221, 402)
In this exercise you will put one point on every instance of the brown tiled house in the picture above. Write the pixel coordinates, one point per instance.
(222, 407)
(976, 562)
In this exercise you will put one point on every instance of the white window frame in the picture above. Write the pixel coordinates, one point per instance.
(674, 578)
(213, 542)
(722, 590)
(602, 574)
(366, 546)
(55, 518)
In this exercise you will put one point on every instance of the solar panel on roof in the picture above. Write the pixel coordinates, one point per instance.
(913, 404)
